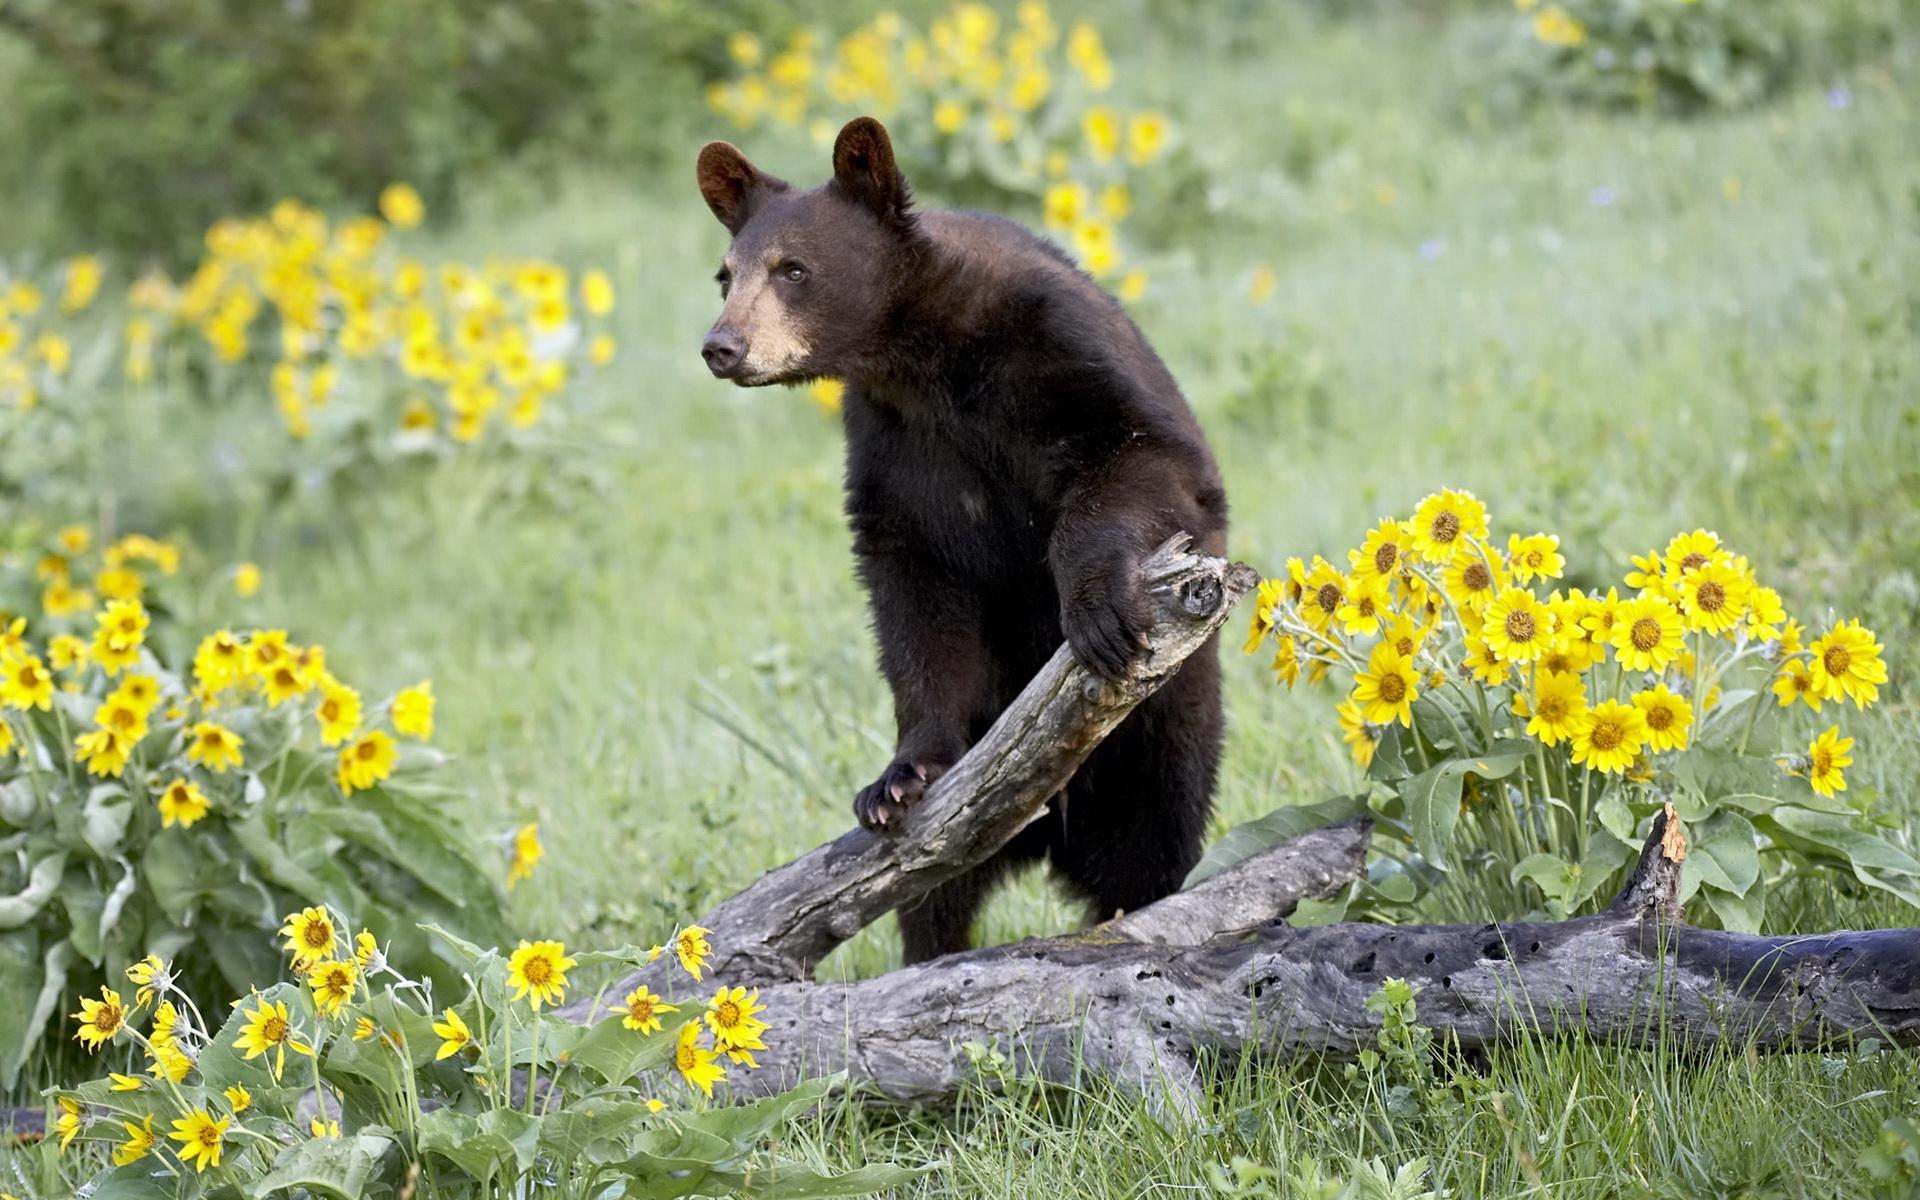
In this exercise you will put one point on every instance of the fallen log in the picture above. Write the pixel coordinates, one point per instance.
(787, 921)
(1146, 1013)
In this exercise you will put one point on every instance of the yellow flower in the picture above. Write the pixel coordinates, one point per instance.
(333, 985)
(267, 649)
(310, 936)
(1101, 127)
(138, 1145)
(1116, 201)
(1795, 682)
(690, 945)
(1324, 594)
(1536, 556)
(537, 972)
(365, 762)
(1262, 283)
(1826, 757)
(526, 854)
(1445, 521)
(1609, 737)
(1845, 661)
(1266, 604)
(84, 274)
(1766, 614)
(122, 630)
(220, 661)
(1286, 661)
(70, 1123)
(366, 951)
(284, 680)
(321, 1127)
(27, 684)
(214, 746)
(413, 710)
(1065, 204)
(169, 1063)
(1367, 602)
(238, 1098)
(596, 293)
(1386, 690)
(643, 1010)
(126, 721)
(1132, 285)
(1669, 717)
(246, 580)
(732, 1015)
(125, 1083)
(165, 1018)
(364, 1028)
(695, 1062)
(67, 652)
(1713, 596)
(1363, 739)
(1553, 26)
(269, 1027)
(1686, 551)
(401, 205)
(1557, 707)
(200, 1138)
(744, 48)
(1382, 552)
(949, 116)
(1146, 137)
(453, 1034)
(1483, 664)
(1518, 627)
(100, 1019)
(1473, 578)
(104, 752)
(1647, 634)
(182, 803)
(62, 599)
(1089, 57)
(602, 349)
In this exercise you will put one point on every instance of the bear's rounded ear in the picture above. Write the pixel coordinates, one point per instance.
(730, 184)
(864, 170)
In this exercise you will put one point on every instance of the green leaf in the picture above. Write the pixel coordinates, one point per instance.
(1433, 796)
(1280, 825)
(19, 985)
(1723, 854)
(43, 878)
(1741, 914)
(573, 1133)
(1604, 858)
(616, 1054)
(1554, 876)
(222, 1065)
(791, 1181)
(104, 819)
(747, 1125)
(329, 1166)
(1871, 857)
(498, 1140)
(1389, 763)
(143, 1180)
(20, 997)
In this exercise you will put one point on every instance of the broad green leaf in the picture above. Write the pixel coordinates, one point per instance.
(328, 1166)
(1433, 796)
(570, 1133)
(1389, 763)
(1875, 861)
(143, 1180)
(1554, 876)
(38, 1007)
(498, 1140)
(19, 987)
(222, 1063)
(1723, 854)
(43, 878)
(104, 819)
(616, 1054)
(1280, 825)
(1604, 858)
(791, 1181)
(747, 1125)
(1741, 914)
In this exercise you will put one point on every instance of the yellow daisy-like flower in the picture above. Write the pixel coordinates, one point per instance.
(270, 1028)
(1556, 708)
(365, 762)
(527, 853)
(1361, 738)
(104, 752)
(283, 681)
(1324, 595)
(1483, 664)
(333, 985)
(732, 1016)
(1795, 682)
(100, 1019)
(1286, 661)
(596, 292)
(1668, 715)
(122, 631)
(1609, 737)
(1383, 552)
(338, 711)
(182, 803)
(643, 1010)
(364, 1028)
(1647, 633)
(1518, 626)
(1536, 556)
(140, 692)
(267, 649)
(72, 1121)
(214, 746)
(1689, 551)
(1472, 579)
(690, 946)
(138, 1145)
(402, 206)
(26, 684)
(238, 1098)
(1766, 614)
(1368, 600)
(124, 1083)
(1826, 758)
(1446, 521)
(310, 935)
(1386, 690)
(1266, 610)
(695, 1062)
(165, 1019)
(321, 1127)
(220, 661)
(453, 1034)
(201, 1138)
(67, 653)
(1713, 596)
(1845, 661)
(537, 972)
(246, 580)
(127, 722)
(169, 1062)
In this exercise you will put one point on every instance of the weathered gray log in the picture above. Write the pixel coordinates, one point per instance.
(787, 921)
(1145, 1013)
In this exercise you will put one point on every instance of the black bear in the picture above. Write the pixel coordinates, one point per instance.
(1014, 447)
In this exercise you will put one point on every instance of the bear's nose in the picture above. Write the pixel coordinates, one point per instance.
(723, 351)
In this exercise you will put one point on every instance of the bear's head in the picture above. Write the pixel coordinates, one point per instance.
(809, 280)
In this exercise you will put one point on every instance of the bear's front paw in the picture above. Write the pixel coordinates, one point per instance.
(1107, 631)
(880, 805)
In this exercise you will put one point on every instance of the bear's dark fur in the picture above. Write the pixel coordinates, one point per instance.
(1014, 447)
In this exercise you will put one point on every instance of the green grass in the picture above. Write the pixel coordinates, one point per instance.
(662, 655)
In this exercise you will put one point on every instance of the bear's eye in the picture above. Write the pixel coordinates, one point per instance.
(793, 272)
(723, 277)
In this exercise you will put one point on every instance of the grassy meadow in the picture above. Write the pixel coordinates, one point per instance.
(1611, 327)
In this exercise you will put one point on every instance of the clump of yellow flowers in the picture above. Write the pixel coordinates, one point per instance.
(1505, 719)
(36, 355)
(351, 1048)
(1015, 103)
(344, 322)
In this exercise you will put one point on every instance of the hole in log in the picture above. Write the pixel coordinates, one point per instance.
(1493, 951)
(1142, 976)
(1446, 981)
(1363, 965)
(1169, 1001)
(1534, 949)
(1429, 957)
